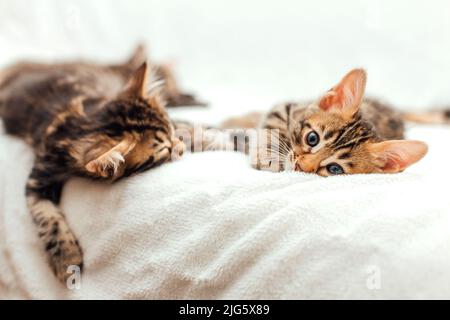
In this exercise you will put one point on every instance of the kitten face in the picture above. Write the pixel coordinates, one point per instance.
(150, 138)
(133, 134)
(326, 144)
(333, 139)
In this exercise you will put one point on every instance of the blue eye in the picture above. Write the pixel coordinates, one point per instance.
(312, 139)
(334, 168)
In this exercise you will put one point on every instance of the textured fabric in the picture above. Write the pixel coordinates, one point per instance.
(209, 226)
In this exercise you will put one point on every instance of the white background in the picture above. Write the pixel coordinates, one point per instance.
(244, 55)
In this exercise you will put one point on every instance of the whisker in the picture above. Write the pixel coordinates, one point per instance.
(282, 142)
(283, 148)
(278, 151)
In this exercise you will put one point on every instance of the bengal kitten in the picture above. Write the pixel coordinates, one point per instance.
(86, 120)
(339, 134)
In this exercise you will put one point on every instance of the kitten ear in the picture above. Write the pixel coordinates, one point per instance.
(347, 95)
(396, 155)
(106, 163)
(137, 85)
(138, 57)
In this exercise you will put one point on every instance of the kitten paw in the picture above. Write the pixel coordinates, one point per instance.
(64, 254)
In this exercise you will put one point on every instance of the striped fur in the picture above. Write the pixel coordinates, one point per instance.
(83, 120)
(351, 132)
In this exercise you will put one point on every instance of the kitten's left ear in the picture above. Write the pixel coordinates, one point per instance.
(346, 97)
(396, 155)
(138, 58)
(137, 85)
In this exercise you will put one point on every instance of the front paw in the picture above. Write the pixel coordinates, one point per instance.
(64, 254)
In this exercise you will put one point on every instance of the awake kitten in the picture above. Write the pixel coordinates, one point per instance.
(339, 134)
(83, 120)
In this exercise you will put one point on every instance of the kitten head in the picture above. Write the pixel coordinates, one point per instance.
(332, 138)
(133, 133)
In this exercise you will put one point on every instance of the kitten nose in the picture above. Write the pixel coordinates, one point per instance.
(305, 164)
(306, 167)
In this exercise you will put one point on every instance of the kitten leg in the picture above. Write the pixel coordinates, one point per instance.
(262, 160)
(43, 195)
(270, 152)
(261, 145)
(200, 138)
(249, 121)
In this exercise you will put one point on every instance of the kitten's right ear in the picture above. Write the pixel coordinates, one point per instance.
(346, 97)
(137, 85)
(396, 155)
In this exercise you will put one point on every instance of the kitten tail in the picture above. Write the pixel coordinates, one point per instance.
(431, 117)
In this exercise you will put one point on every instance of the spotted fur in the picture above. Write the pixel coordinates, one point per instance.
(82, 120)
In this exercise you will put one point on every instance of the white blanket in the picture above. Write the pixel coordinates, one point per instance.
(209, 226)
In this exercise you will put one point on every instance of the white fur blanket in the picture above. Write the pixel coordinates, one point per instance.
(209, 226)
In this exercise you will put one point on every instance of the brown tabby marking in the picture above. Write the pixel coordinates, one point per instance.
(83, 120)
(350, 135)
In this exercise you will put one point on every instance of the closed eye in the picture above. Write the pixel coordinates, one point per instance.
(151, 162)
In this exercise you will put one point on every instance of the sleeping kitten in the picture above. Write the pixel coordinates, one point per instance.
(339, 134)
(84, 120)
